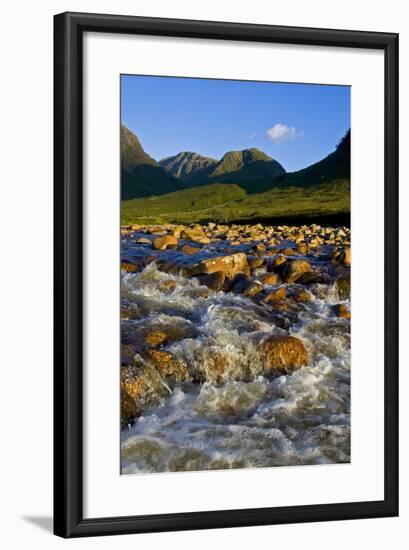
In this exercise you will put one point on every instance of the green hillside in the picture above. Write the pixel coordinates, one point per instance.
(322, 189)
(227, 202)
(335, 167)
(141, 175)
(189, 204)
(252, 169)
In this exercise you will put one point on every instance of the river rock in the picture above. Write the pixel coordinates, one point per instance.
(167, 365)
(195, 234)
(133, 381)
(214, 281)
(167, 286)
(258, 247)
(143, 384)
(168, 266)
(279, 262)
(214, 366)
(276, 295)
(129, 410)
(283, 354)
(270, 279)
(346, 256)
(129, 267)
(167, 241)
(254, 263)
(177, 231)
(190, 250)
(143, 240)
(302, 296)
(311, 278)
(343, 287)
(295, 269)
(246, 286)
(302, 248)
(156, 338)
(341, 310)
(231, 265)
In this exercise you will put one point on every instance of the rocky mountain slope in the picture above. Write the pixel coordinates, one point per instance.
(141, 175)
(188, 166)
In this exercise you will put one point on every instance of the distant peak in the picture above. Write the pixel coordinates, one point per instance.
(246, 156)
(186, 163)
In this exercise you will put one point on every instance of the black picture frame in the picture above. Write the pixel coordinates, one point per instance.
(68, 274)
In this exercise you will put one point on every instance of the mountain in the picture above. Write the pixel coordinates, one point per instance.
(335, 167)
(141, 175)
(251, 169)
(187, 166)
(320, 191)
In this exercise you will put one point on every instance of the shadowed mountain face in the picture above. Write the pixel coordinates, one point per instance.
(251, 169)
(141, 175)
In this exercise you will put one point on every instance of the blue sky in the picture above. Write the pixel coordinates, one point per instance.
(296, 124)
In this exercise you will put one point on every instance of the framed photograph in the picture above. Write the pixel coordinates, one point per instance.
(226, 264)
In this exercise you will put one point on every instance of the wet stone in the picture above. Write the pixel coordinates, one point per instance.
(214, 281)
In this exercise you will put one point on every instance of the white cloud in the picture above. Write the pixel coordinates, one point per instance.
(253, 135)
(281, 132)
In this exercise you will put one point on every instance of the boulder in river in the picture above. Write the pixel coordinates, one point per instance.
(278, 263)
(143, 240)
(189, 250)
(215, 365)
(343, 287)
(302, 296)
(195, 234)
(156, 338)
(167, 365)
(129, 267)
(346, 256)
(295, 269)
(214, 281)
(246, 286)
(276, 295)
(341, 310)
(254, 263)
(302, 248)
(231, 265)
(129, 410)
(167, 241)
(283, 354)
(177, 230)
(270, 279)
(311, 278)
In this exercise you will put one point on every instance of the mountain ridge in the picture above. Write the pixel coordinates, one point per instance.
(321, 190)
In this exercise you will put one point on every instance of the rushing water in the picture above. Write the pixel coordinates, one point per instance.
(242, 418)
